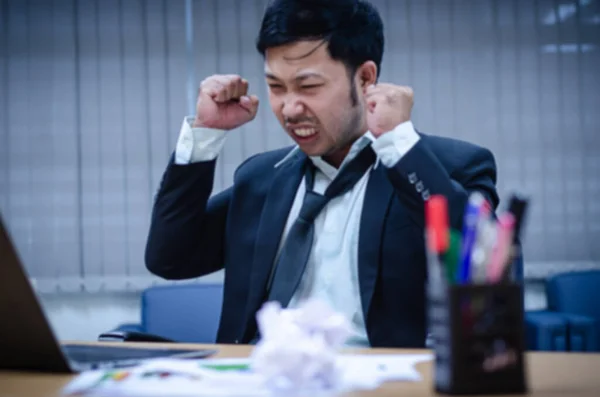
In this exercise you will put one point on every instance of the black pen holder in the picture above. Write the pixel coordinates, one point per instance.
(478, 337)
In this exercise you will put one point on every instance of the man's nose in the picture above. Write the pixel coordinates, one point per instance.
(292, 108)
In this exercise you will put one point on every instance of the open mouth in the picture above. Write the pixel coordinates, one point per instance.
(304, 134)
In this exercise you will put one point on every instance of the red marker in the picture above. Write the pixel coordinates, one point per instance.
(436, 224)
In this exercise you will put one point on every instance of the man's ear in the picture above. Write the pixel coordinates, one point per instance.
(367, 75)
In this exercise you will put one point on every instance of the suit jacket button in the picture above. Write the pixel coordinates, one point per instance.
(419, 186)
(412, 178)
(425, 195)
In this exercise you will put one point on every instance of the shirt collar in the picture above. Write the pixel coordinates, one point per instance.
(325, 167)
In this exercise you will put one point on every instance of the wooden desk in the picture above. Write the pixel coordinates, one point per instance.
(550, 374)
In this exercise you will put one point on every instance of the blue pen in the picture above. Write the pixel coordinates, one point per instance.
(472, 213)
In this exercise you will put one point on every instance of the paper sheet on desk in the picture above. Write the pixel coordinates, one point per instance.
(384, 367)
(170, 377)
(227, 377)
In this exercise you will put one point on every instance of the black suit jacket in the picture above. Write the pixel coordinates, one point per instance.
(193, 234)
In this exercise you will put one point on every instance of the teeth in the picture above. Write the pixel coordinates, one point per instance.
(304, 132)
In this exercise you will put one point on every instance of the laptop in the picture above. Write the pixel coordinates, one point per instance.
(28, 343)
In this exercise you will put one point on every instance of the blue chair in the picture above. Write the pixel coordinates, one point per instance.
(544, 331)
(576, 296)
(187, 313)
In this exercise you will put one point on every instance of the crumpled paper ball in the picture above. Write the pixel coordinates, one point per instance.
(298, 347)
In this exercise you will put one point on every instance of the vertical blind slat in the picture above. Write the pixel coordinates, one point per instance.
(136, 134)
(4, 122)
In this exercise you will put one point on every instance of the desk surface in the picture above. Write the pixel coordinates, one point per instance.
(550, 374)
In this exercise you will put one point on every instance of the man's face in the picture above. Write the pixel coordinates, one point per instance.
(310, 94)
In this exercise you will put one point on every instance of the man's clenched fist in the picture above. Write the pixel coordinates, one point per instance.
(223, 103)
(388, 106)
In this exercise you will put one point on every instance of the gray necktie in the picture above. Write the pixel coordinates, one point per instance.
(296, 249)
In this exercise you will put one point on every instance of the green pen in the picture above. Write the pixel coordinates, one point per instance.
(227, 367)
(452, 257)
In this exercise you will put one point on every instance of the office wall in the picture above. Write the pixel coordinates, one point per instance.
(86, 316)
(93, 94)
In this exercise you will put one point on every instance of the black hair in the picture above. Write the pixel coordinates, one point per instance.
(352, 29)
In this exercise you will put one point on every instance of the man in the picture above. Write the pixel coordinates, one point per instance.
(340, 216)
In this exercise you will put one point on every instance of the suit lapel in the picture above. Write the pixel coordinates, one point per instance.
(273, 218)
(376, 203)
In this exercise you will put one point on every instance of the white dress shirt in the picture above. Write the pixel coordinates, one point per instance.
(331, 273)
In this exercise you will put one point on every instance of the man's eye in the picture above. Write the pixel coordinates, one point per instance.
(309, 86)
(275, 86)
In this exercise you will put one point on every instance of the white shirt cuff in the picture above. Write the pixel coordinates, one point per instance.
(197, 144)
(391, 146)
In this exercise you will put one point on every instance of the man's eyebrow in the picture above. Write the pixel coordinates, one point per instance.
(304, 76)
(271, 76)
